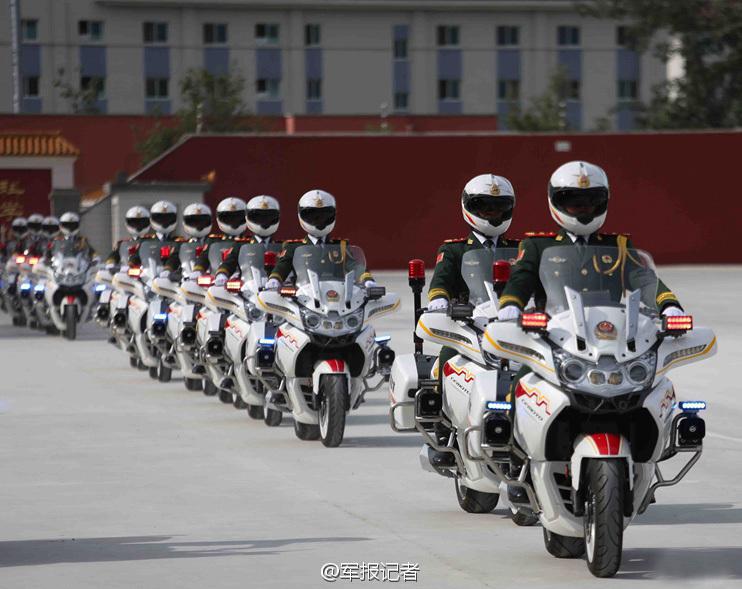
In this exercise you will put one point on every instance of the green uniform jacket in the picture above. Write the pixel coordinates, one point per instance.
(525, 282)
(285, 265)
(201, 264)
(447, 281)
(81, 245)
(172, 241)
(232, 262)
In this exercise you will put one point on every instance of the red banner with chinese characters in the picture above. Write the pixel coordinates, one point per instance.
(23, 192)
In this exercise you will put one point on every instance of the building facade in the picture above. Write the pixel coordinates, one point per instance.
(331, 57)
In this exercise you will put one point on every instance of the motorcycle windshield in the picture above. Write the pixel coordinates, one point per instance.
(252, 257)
(477, 271)
(65, 247)
(603, 275)
(124, 250)
(330, 262)
(187, 252)
(216, 253)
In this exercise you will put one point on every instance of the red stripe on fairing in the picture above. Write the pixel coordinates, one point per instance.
(336, 365)
(448, 370)
(519, 391)
(607, 444)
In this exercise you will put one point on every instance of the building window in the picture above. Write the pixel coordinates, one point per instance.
(90, 30)
(314, 89)
(400, 48)
(266, 33)
(508, 90)
(628, 90)
(311, 35)
(448, 89)
(625, 37)
(215, 34)
(508, 36)
(155, 32)
(94, 84)
(157, 88)
(448, 36)
(571, 90)
(568, 36)
(268, 88)
(401, 100)
(31, 86)
(29, 29)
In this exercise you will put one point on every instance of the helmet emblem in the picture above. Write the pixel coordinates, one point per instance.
(318, 201)
(232, 206)
(583, 181)
(264, 204)
(495, 189)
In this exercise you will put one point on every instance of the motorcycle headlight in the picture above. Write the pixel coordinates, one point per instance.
(253, 313)
(354, 320)
(641, 371)
(311, 320)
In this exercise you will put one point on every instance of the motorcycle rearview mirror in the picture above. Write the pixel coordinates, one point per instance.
(460, 312)
(374, 293)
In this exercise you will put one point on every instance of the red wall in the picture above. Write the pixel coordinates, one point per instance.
(23, 192)
(398, 196)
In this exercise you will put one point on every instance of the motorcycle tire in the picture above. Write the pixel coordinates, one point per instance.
(603, 520)
(165, 373)
(238, 403)
(51, 330)
(153, 372)
(331, 414)
(272, 418)
(133, 362)
(306, 431)
(141, 366)
(563, 546)
(255, 411)
(209, 388)
(70, 320)
(472, 501)
(225, 397)
(192, 384)
(523, 517)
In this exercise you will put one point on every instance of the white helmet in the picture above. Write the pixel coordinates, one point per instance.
(163, 217)
(50, 227)
(487, 204)
(69, 223)
(137, 221)
(35, 222)
(19, 226)
(197, 220)
(317, 212)
(263, 215)
(230, 216)
(578, 197)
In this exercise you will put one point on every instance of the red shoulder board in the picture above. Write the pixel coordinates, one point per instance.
(244, 239)
(180, 239)
(216, 235)
(541, 233)
(294, 240)
(455, 240)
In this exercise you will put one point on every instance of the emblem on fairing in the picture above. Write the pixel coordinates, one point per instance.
(605, 330)
(332, 295)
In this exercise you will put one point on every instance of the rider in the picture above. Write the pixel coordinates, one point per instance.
(578, 201)
(69, 224)
(197, 223)
(36, 239)
(137, 225)
(317, 211)
(50, 228)
(18, 235)
(487, 204)
(163, 216)
(263, 216)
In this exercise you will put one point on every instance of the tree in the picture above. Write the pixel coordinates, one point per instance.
(81, 100)
(707, 36)
(547, 111)
(211, 103)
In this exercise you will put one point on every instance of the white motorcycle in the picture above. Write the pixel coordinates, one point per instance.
(69, 290)
(471, 379)
(326, 351)
(585, 431)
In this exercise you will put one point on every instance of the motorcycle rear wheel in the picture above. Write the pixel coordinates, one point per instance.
(306, 431)
(563, 546)
(255, 411)
(192, 384)
(473, 501)
(333, 392)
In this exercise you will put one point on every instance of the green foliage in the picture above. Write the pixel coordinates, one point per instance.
(708, 39)
(545, 112)
(81, 101)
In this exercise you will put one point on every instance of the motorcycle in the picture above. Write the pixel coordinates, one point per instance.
(585, 431)
(68, 291)
(42, 273)
(326, 351)
(13, 288)
(471, 379)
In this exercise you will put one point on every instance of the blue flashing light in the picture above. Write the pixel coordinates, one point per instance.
(382, 339)
(499, 405)
(100, 287)
(266, 341)
(161, 317)
(26, 286)
(39, 288)
(692, 405)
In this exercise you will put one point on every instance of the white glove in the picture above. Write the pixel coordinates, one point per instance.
(220, 280)
(165, 274)
(672, 311)
(369, 283)
(508, 313)
(273, 284)
(193, 275)
(438, 304)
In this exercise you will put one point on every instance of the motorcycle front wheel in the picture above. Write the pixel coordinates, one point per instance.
(70, 320)
(333, 392)
(603, 520)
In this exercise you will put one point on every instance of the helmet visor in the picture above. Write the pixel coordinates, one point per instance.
(34, 226)
(164, 219)
(137, 223)
(233, 219)
(583, 203)
(70, 225)
(494, 209)
(50, 228)
(319, 217)
(198, 222)
(263, 217)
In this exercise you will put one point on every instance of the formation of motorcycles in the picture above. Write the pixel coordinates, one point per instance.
(565, 410)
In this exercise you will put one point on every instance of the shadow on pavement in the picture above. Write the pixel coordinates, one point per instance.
(367, 419)
(400, 441)
(127, 548)
(681, 563)
(690, 513)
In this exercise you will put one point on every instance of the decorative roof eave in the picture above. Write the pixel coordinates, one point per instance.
(35, 144)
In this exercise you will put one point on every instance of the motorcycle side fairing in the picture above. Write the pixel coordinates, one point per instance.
(439, 328)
